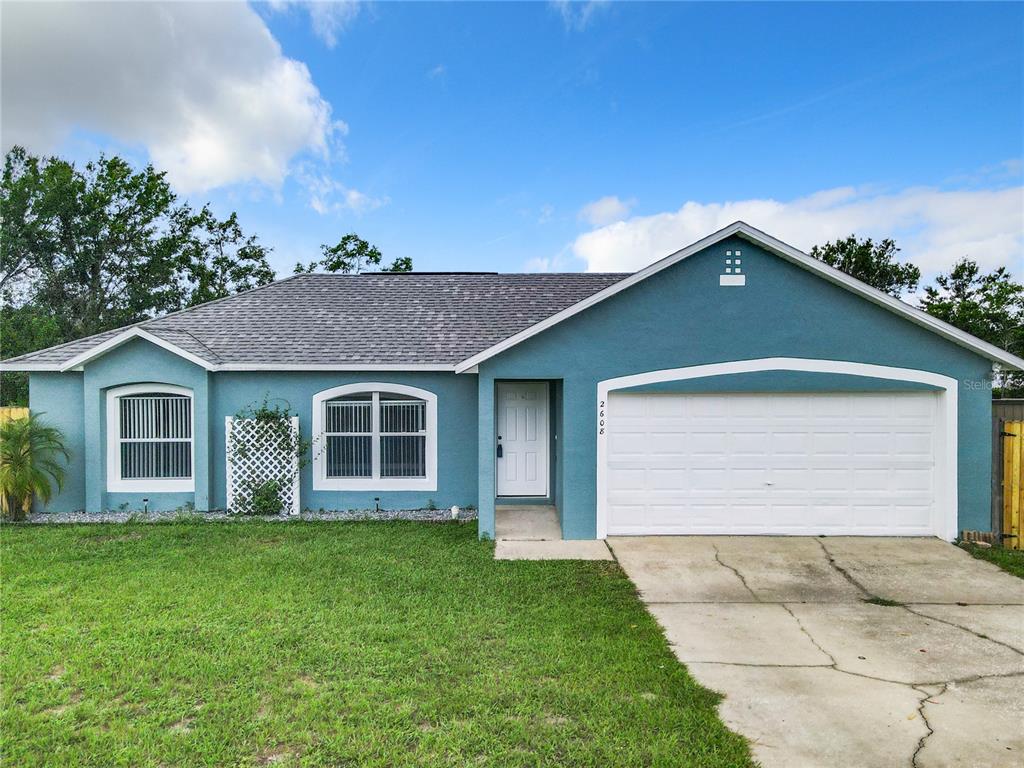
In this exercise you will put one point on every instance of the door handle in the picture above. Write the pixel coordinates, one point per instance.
(499, 447)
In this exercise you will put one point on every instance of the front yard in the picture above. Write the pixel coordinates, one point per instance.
(376, 644)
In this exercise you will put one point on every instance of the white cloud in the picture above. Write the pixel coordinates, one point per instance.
(435, 72)
(933, 227)
(328, 195)
(605, 210)
(560, 262)
(204, 87)
(577, 14)
(328, 18)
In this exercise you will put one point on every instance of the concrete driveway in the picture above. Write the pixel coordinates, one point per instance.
(815, 675)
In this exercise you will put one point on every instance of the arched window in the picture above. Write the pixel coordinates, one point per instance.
(150, 445)
(375, 436)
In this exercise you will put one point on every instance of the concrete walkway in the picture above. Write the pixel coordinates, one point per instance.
(533, 532)
(814, 675)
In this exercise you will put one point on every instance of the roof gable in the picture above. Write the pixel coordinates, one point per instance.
(782, 250)
(159, 340)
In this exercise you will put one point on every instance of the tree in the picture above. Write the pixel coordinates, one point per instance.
(873, 263)
(22, 230)
(219, 260)
(29, 464)
(88, 249)
(989, 306)
(351, 256)
(23, 329)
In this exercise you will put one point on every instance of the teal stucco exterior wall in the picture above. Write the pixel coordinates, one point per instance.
(456, 437)
(682, 317)
(76, 402)
(57, 399)
(136, 362)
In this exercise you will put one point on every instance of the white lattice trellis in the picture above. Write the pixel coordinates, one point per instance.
(263, 459)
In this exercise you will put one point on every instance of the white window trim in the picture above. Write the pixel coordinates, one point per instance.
(944, 523)
(323, 483)
(115, 483)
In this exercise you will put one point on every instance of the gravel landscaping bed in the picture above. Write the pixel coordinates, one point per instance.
(115, 516)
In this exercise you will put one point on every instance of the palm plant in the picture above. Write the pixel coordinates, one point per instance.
(29, 464)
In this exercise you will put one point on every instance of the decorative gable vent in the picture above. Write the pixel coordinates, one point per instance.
(733, 274)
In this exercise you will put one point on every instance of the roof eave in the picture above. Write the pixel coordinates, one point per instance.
(122, 338)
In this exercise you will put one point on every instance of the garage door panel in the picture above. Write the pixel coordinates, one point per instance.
(628, 480)
(853, 463)
(750, 443)
(876, 443)
(693, 443)
(628, 444)
(912, 444)
(913, 479)
(677, 444)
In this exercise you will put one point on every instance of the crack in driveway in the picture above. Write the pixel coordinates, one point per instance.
(743, 580)
(961, 626)
(842, 571)
(764, 708)
(928, 699)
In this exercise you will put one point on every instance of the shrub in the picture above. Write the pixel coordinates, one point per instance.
(265, 499)
(29, 464)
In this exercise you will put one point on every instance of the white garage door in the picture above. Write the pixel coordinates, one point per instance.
(801, 464)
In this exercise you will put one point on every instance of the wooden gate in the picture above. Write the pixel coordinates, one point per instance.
(1013, 482)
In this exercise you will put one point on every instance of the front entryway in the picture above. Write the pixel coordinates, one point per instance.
(522, 438)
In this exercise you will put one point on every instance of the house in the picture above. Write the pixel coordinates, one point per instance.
(737, 386)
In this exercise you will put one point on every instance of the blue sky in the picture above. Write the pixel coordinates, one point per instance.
(475, 136)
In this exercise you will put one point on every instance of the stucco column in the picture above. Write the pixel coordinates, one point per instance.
(485, 463)
(95, 448)
(204, 443)
(579, 490)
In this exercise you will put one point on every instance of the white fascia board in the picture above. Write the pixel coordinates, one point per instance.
(133, 333)
(4, 366)
(77, 363)
(445, 367)
(783, 250)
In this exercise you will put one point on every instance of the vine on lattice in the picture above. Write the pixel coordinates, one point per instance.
(265, 453)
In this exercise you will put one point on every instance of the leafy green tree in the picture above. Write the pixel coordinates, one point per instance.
(351, 256)
(30, 464)
(109, 246)
(989, 306)
(873, 263)
(401, 264)
(23, 232)
(85, 250)
(23, 329)
(219, 259)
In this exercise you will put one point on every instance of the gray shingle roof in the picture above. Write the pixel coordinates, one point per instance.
(378, 319)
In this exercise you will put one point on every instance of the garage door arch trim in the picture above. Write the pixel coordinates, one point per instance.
(946, 453)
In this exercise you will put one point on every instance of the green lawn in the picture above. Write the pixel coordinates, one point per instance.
(1010, 560)
(379, 644)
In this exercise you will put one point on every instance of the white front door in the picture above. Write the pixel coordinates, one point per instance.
(522, 432)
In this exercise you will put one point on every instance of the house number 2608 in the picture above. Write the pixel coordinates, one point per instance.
(600, 417)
